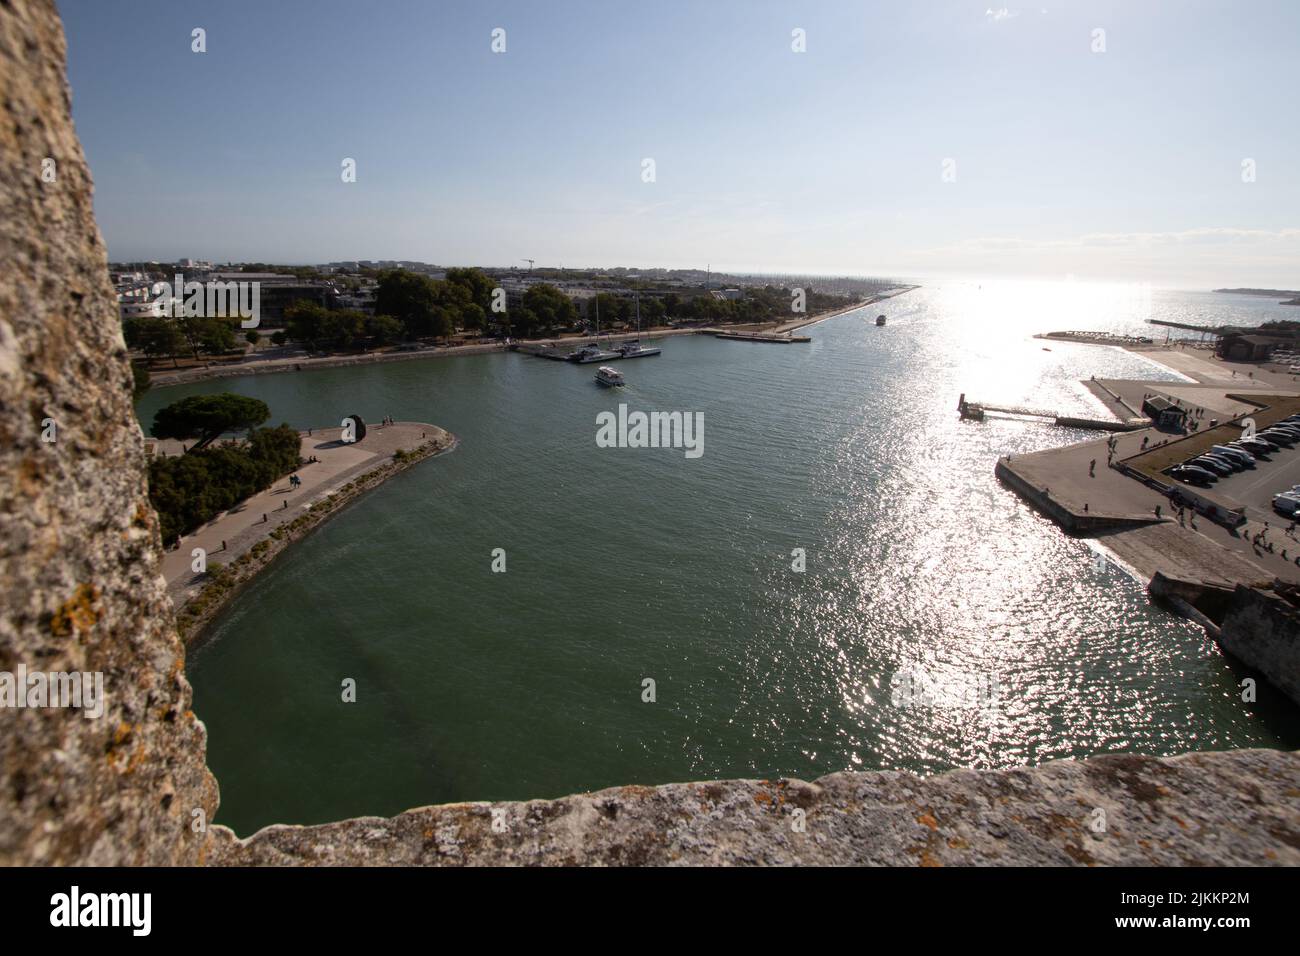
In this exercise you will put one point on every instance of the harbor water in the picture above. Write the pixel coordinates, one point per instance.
(838, 582)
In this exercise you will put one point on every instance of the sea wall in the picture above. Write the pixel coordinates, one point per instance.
(80, 558)
(1262, 629)
(1045, 504)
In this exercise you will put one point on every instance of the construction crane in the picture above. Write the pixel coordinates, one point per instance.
(530, 263)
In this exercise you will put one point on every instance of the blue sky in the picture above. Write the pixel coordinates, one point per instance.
(1124, 164)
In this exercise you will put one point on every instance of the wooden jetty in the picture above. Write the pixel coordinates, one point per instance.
(975, 411)
(762, 337)
(541, 350)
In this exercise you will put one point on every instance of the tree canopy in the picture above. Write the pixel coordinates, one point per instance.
(207, 417)
(189, 490)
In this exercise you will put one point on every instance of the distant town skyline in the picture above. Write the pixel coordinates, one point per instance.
(1120, 142)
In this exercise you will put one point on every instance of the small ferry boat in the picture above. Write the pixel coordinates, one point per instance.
(880, 320)
(609, 377)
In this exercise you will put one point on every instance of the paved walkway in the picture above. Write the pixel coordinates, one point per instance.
(234, 532)
(1208, 551)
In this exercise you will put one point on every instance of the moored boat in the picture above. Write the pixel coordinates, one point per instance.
(636, 350)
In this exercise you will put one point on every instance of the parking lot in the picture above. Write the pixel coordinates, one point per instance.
(1255, 487)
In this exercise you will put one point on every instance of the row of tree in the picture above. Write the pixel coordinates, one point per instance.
(165, 337)
(411, 306)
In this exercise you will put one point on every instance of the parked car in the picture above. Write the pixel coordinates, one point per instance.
(1233, 464)
(1220, 468)
(1256, 445)
(1285, 505)
(1192, 475)
(1245, 457)
(1258, 451)
(1286, 439)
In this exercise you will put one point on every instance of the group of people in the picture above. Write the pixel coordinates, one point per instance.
(388, 420)
(294, 481)
(1259, 542)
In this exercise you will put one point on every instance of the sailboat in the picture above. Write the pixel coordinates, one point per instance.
(634, 349)
(592, 352)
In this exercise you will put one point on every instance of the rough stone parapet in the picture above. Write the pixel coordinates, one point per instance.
(1239, 808)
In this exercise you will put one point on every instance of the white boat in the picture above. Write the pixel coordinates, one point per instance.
(634, 348)
(610, 377)
(592, 353)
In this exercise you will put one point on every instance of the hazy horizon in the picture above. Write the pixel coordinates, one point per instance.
(957, 140)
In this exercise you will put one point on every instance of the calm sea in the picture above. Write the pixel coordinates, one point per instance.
(626, 565)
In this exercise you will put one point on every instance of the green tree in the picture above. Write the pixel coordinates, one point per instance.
(344, 329)
(473, 317)
(652, 312)
(280, 337)
(410, 298)
(477, 283)
(306, 322)
(155, 337)
(207, 417)
(442, 322)
(216, 336)
(252, 337)
(189, 490)
(551, 308)
(383, 330)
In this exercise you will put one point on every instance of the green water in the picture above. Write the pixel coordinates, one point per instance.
(626, 564)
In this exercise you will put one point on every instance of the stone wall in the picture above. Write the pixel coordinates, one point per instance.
(79, 558)
(1236, 809)
(79, 547)
(1263, 629)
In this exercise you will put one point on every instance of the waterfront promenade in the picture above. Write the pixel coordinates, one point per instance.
(1119, 510)
(235, 532)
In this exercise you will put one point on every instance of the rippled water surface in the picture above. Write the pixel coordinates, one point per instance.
(627, 564)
